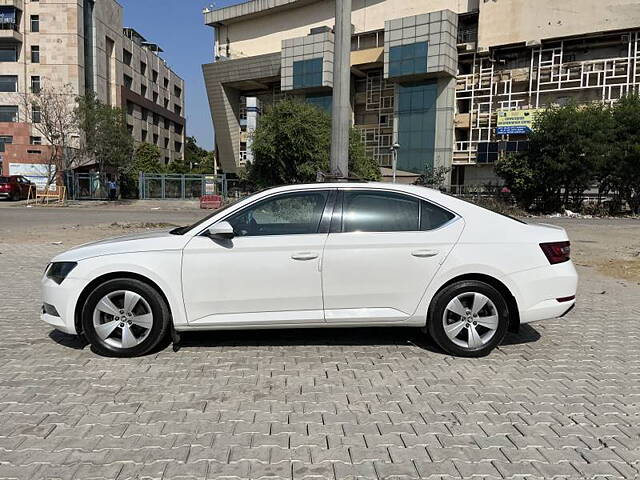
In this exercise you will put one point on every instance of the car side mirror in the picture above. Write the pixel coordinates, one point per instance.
(221, 230)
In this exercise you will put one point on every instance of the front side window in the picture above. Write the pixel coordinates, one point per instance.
(287, 214)
(370, 211)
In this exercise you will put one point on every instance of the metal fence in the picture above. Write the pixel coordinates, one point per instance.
(154, 186)
(85, 186)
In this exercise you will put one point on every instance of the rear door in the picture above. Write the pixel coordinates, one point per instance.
(383, 250)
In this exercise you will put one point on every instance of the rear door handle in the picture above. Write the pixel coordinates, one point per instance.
(304, 256)
(425, 253)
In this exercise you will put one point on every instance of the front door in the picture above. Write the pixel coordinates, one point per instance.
(269, 273)
(384, 249)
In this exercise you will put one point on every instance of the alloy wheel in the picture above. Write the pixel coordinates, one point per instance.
(123, 319)
(470, 320)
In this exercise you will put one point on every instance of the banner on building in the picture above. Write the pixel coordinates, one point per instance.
(38, 173)
(516, 122)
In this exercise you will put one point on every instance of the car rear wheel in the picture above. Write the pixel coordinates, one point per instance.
(469, 318)
(125, 318)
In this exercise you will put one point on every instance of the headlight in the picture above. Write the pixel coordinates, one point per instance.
(58, 271)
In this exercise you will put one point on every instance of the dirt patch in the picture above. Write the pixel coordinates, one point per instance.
(609, 246)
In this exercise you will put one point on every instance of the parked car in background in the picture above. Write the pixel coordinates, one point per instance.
(321, 255)
(14, 187)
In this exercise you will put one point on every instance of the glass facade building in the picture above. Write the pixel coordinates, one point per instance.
(416, 125)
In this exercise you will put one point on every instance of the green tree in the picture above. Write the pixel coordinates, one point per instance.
(106, 138)
(560, 165)
(292, 144)
(146, 159)
(624, 160)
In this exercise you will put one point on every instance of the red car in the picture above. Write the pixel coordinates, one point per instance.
(14, 187)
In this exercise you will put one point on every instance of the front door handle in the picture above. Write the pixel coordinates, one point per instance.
(424, 253)
(304, 256)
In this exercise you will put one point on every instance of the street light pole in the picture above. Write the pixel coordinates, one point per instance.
(394, 159)
(341, 104)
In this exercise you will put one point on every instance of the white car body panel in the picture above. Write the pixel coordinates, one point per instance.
(257, 276)
(357, 279)
(382, 276)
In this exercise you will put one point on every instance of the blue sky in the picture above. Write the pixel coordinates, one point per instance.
(177, 26)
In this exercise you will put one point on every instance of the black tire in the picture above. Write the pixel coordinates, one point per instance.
(156, 303)
(466, 289)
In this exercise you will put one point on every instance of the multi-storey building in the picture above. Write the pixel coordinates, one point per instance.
(454, 82)
(81, 45)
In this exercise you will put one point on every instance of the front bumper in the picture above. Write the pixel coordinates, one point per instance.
(541, 288)
(63, 299)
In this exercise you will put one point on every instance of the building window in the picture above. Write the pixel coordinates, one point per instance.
(416, 125)
(36, 114)
(155, 97)
(323, 101)
(130, 129)
(35, 23)
(145, 133)
(156, 119)
(155, 139)
(178, 128)
(5, 140)
(130, 108)
(143, 90)
(35, 54)
(8, 54)
(166, 143)
(166, 103)
(8, 113)
(167, 124)
(8, 18)
(128, 81)
(126, 57)
(35, 140)
(177, 146)
(177, 91)
(177, 109)
(8, 83)
(166, 160)
(35, 84)
(307, 73)
(154, 76)
(408, 59)
(143, 68)
(166, 82)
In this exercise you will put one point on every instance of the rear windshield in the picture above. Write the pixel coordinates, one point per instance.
(4, 180)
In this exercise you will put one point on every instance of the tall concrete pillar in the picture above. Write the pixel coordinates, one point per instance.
(341, 106)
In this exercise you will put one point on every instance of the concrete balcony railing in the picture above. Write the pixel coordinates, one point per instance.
(10, 35)
(19, 4)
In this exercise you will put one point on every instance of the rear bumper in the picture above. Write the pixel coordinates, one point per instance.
(5, 194)
(546, 292)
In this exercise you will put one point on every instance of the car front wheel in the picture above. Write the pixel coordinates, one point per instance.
(469, 318)
(125, 318)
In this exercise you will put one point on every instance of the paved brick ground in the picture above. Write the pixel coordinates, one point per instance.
(559, 400)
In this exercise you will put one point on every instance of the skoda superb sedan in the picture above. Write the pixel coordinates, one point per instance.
(322, 255)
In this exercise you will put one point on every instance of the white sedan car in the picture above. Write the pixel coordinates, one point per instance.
(322, 255)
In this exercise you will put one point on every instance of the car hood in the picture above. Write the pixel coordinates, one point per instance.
(142, 242)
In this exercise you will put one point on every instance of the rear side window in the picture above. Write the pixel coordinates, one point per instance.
(432, 216)
(369, 211)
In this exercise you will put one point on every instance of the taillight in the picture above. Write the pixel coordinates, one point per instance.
(557, 252)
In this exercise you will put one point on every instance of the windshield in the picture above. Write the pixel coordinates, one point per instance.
(186, 228)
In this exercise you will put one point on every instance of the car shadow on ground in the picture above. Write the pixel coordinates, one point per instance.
(345, 337)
